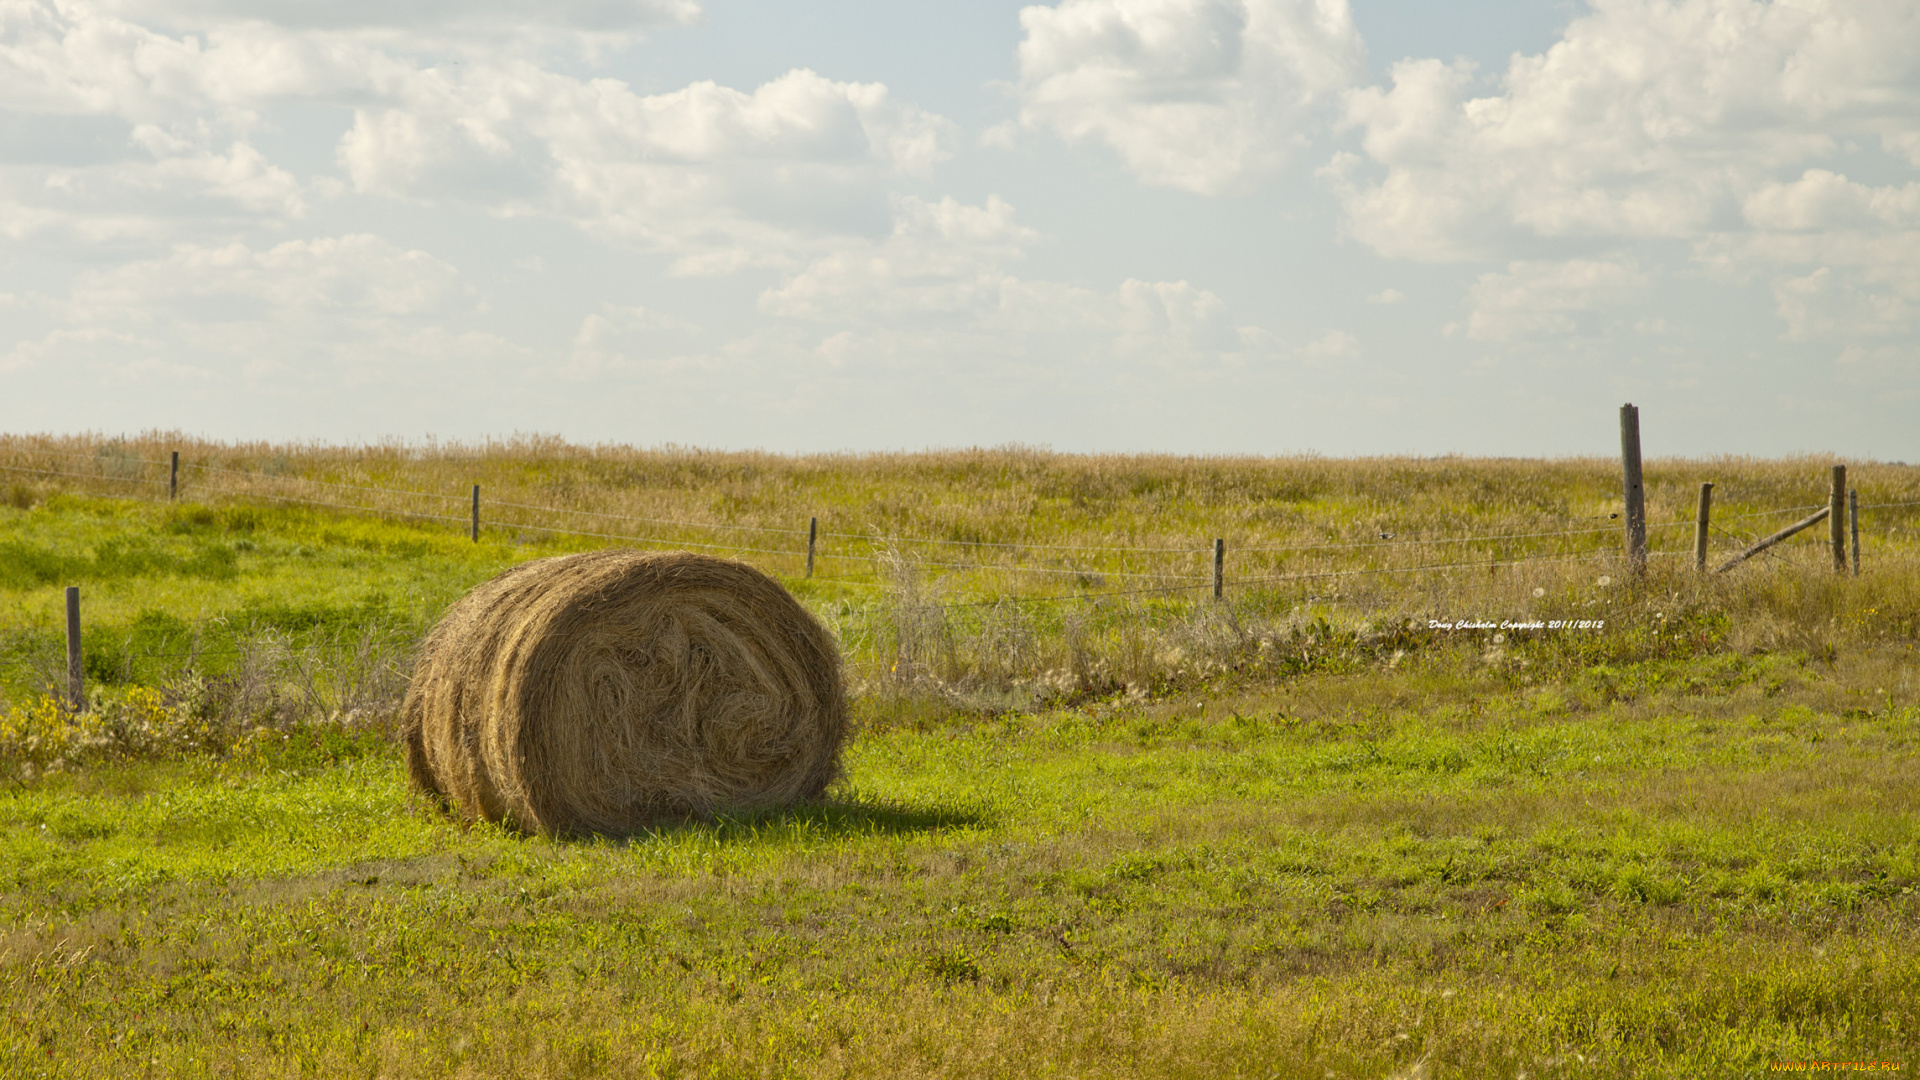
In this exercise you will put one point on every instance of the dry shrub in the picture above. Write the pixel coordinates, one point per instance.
(918, 639)
(607, 691)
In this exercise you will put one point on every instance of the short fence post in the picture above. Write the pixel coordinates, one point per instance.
(813, 534)
(1853, 522)
(173, 478)
(476, 513)
(1701, 521)
(1634, 490)
(76, 675)
(1837, 518)
(1219, 568)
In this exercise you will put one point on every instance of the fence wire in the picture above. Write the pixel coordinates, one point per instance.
(1167, 582)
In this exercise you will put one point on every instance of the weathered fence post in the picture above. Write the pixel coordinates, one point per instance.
(173, 478)
(813, 534)
(1635, 492)
(476, 513)
(1701, 520)
(1808, 522)
(1837, 518)
(76, 675)
(1853, 522)
(1219, 568)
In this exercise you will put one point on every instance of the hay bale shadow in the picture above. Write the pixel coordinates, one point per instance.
(833, 819)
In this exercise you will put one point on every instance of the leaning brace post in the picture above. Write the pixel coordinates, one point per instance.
(1702, 519)
(173, 478)
(1837, 519)
(475, 531)
(1634, 491)
(1809, 522)
(1219, 568)
(76, 675)
(1853, 523)
(813, 534)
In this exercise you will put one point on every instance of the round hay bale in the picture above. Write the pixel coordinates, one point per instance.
(604, 692)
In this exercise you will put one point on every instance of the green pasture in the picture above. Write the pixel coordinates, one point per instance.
(1295, 834)
(1288, 881)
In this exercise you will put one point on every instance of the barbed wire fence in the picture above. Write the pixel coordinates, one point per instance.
(133, 476)
(127, 476)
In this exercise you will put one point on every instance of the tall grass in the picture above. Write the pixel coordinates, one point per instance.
(1005, 578)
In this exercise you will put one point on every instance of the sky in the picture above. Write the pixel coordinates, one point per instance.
(1193, 226)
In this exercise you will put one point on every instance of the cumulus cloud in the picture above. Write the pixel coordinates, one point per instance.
(1537, 300)
(1649, 119)
(1333, 345)
(295, 330)
(941, 259)
(722, 177)
(357, 276)
(1208, 96)
(147, 197)
(1701, 125)
(944, 283)
(586, 15)
(1822, 200)
(66, 59)
(1843, 283)
(116, 130)
(352, 309)
(621, 338)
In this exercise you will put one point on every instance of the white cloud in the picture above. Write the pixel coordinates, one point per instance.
(941, 287)
(1538, 300)
(358, 276)
(721, 177)
(66, 58)
(1826, 200)
(1650, 119)
(439, 15)
(331, 312)
(618, 339)
(1844, 257)
(1173, 322)
(1333, 345)
(1695, 124)
(1904, 144)
(941, 259)
(1208, 96)
(127, 132)
(1863, 288)
(148, 198)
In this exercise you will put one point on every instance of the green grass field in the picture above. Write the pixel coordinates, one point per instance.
(1297, 833)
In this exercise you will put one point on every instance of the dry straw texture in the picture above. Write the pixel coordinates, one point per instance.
(607, 691)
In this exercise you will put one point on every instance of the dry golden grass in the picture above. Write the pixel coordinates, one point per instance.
(943, 503)
(1007, 577)
(1133, 834)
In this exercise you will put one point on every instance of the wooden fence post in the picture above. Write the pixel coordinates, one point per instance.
(76, 674)
(1634, 490)
(1701, 520)
(476, 513)
(813, 534)
(1219, 568)
(1837, 518)
(173, 478)
(1808, 522)
(1853, 522)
